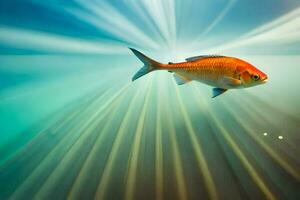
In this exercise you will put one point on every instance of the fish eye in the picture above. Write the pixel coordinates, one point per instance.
(255, 77)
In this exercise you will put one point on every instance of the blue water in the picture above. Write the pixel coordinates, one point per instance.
(73, 125)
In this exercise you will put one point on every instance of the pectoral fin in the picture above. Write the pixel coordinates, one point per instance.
(180, 80)
(217, 91)
(233, 82)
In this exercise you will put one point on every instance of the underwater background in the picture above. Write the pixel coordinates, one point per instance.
(73, 125)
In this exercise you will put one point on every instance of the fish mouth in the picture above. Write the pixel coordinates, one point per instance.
(265, 80)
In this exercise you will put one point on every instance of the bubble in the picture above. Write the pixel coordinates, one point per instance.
(280, 137)
(265, 134)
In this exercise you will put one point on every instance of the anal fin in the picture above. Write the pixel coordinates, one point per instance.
(218, 91)
(180, 80)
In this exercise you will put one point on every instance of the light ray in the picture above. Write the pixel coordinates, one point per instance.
(282, 20)
(158, 149)
(201, 161)
(176, 156)
(219, 18)
(86, 134)
(283, 163)
(251, 170)
(88, 164)
(215, 122)
(286, 116)
(135, 151)
(155, 10)
(48, 42)
(106, 175)
(114, 22)
(148, 21)
(63, 143)
(284, 32)
(55, 127)
(88, 153)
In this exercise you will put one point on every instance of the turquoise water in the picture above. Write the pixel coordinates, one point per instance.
(73, 125)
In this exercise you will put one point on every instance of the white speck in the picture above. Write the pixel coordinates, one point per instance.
(265, 134)
(280, 137)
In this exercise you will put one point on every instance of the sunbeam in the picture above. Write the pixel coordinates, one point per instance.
(51, 43)
(251, 170)
(113, 22)
(104, 181)
(134, 155)
(198, 151)
(75, 126)
(284, 30)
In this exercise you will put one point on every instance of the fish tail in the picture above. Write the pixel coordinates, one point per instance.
(149, 64)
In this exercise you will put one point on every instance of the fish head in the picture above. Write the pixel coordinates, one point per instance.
(251, 76)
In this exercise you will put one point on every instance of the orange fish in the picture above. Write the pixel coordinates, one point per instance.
(221, 72)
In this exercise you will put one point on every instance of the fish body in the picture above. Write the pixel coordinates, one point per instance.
(221, 72)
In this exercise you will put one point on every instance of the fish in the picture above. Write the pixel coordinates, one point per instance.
(220, 72)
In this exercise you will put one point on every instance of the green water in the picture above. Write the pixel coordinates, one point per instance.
(77, 127)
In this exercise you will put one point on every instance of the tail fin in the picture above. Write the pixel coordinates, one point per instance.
(149, 64)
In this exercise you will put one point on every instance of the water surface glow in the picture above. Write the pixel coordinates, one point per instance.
(74, 126)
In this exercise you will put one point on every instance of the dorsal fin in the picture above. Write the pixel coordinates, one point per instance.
(194, 58)
(170, 63)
